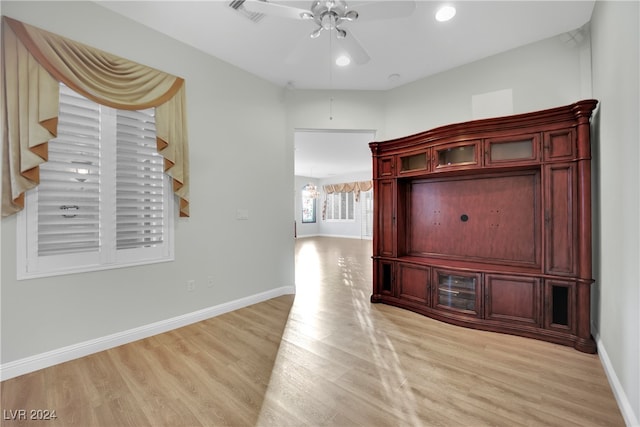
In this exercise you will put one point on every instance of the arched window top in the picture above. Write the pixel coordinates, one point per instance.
(309, 195)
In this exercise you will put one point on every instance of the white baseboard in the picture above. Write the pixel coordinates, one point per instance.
(630, 418)
(347, 237)
(335, 235)
(75, 351)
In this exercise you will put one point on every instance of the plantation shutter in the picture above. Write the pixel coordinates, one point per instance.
(139, 181)
(68, 196)
(350, 206)
(366, 212)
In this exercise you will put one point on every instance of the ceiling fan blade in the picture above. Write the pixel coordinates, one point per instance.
(354, 49)
(379, 10)
(274, 9)
(299, 51)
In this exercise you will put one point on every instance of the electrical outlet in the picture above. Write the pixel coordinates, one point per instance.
(191, 285)
(210, 281)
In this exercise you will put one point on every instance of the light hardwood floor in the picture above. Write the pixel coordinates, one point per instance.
(324, 358)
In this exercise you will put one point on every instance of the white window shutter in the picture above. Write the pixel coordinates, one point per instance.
(139, 181)
(103, 199)
(68, 196)
(341, 206)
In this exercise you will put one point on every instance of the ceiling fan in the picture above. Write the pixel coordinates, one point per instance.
(330, 15)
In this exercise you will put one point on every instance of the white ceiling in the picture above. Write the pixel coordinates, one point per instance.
(324, 154)
(413, 47)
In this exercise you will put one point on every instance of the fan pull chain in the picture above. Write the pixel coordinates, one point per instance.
(331, 74)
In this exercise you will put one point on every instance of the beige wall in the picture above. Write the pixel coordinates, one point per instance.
(541, 75)
(616, 75)
(237, 139)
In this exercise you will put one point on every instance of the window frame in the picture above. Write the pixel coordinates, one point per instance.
(314, 206)
(31, 265)
(350, 201)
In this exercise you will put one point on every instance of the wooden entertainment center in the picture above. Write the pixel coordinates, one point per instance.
(487, 224)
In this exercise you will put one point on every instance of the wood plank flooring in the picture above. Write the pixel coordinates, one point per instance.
(327, 357)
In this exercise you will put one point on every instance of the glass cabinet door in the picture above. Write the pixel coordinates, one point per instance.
(457, 155)
(412, 163)
(516, 150)
(457, 291)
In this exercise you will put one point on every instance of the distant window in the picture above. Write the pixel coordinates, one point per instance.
(340, 207)
(366, 212)
(308, 204)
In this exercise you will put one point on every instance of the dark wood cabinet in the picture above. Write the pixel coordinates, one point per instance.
(487, 224)
(513, 299)
(414, 283)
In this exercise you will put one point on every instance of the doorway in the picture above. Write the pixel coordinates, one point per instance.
(324, 157)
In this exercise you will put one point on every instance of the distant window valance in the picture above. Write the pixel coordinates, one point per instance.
(345, 187)
(34, 61)
(349, 187)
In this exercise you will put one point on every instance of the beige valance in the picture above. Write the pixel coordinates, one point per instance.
(345, 187)
(34, 61)
(348, 187)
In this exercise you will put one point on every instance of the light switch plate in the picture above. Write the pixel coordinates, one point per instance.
(242, 214)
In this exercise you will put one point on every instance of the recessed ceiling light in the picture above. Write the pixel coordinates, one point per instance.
(343, 61)
(445, 13)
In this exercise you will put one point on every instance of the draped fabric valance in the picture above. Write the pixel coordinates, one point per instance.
(34, 61)
(348, 187)
(345, 187)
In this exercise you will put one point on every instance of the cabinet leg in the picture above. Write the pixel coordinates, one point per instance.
(585, 345)
(584, 342)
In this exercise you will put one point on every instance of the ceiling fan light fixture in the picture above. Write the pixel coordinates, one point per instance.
(445, 13)
(340, 33)
(306, 16)
(316, 33)
(351, 15)
(343, 61)
(328, 20)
